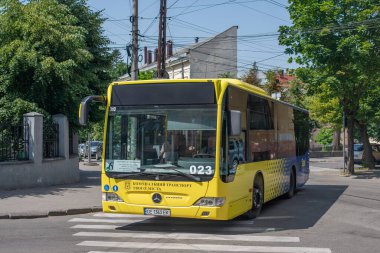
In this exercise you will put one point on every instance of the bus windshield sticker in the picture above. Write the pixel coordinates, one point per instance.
(126, 165)
(201, 170)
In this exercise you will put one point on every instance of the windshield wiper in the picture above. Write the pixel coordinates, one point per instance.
(174, 166)
(124, 175)
(161, 166)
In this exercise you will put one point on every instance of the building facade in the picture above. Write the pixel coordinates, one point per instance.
(204, 59)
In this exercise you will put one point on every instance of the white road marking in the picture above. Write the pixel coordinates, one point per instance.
(213, 229)
(107, 252)
(85, 220)
(120, 215)
(204, 247)
(192, 236)
(103, 227)
(158, 221)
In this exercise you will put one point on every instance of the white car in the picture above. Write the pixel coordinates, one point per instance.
(81, 149)
(96, 149)
(376, 152)
(358, 153)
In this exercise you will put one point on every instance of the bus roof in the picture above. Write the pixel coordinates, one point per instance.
(234, 82)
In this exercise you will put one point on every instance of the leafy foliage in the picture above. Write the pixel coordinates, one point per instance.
(252, 76)
(324, 136)
(52, 54)
(145, 75)
(338, 42)
(225, 75)
(12, 112)
(271, 84)
(296, 93)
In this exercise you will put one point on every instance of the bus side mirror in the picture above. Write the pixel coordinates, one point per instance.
(234, 120)
(84, 108)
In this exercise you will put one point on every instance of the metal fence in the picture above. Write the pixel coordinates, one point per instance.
(51, 140)
(14, 142)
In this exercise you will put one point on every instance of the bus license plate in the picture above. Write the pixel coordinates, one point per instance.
(157, 212)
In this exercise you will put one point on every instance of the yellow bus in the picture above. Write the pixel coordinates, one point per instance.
(206, 149)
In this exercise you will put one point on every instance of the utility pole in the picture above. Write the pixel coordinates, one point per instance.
(344, 143)
(161, 57)
(135, 47)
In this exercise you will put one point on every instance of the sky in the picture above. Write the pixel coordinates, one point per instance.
(257, 20)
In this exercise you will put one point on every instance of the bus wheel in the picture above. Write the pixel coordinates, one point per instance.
(257, 198)
(292, 185)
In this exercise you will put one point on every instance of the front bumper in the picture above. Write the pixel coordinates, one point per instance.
(195, 212)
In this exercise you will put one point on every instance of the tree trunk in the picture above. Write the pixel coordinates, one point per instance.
(350, 144)
(368, 157)
(336, 140)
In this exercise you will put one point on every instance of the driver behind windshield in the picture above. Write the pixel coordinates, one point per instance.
(173, 148)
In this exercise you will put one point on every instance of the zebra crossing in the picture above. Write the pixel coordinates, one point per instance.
(122, 233)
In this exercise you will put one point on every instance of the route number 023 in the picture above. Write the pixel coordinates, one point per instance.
(201, 170)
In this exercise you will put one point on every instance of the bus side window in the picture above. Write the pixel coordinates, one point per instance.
(233, 148)
(261, 129)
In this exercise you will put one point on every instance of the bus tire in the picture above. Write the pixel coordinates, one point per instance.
(257, 198)
(292, 185)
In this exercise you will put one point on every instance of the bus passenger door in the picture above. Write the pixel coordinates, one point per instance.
(235, 172)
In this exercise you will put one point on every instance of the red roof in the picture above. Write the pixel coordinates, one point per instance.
(284, 79)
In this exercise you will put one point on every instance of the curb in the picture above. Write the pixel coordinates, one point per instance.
(34, 215)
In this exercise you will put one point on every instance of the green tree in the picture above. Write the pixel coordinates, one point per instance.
(252, 76)
(271, 84)
(225, 75)
(118, 69)
(325, 137)
(145, 75)
(326, 109)
(339, 40)
(368, 117)
(296, 93)
(52, 54)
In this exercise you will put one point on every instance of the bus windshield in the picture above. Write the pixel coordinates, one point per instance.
(161, 142)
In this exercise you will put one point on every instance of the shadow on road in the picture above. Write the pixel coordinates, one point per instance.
(301, 212)
(370, 174)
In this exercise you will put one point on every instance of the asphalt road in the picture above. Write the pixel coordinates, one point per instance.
(331, 214)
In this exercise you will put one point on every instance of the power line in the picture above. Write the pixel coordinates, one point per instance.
(151, 24)
(213, 5)
(173, 4)
(130, 8)
(194, 27)
(228, 59)
(258, 35)
(264, 13)
(170, 33)
(120, 24)
(276, 3)
(270, 58)
(210, 6)
(189, 7)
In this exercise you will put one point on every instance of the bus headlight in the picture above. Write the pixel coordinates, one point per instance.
(210, 202)
(110, 196)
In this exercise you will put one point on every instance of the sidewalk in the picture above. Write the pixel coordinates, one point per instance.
(327, 160)
(85, 196)
(82, 197)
